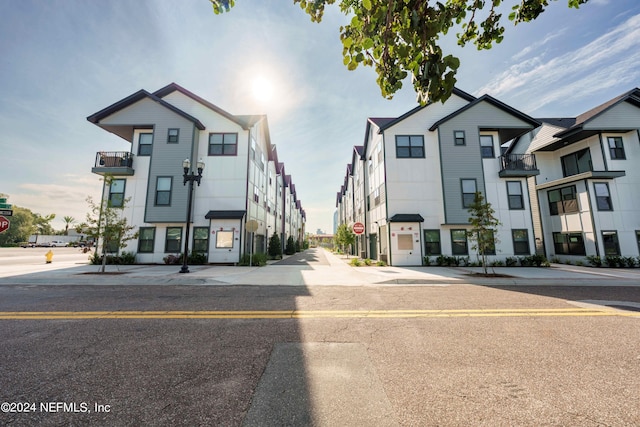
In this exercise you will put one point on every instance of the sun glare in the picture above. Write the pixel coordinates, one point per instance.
(262, 89)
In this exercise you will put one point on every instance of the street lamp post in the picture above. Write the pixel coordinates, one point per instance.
(189, 177)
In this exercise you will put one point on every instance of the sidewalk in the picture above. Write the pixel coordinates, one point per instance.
(336, 271)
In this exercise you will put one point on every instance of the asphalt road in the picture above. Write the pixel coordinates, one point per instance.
(453, 355)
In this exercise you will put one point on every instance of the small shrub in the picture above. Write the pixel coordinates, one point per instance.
(555, 260)
(291, 246)
(367, 261)
(127, 258)
(441, 261)
(614, 261)
(355, 262)
(381, 263)
(497, 263)
(525, 261)
(463, 261)
(595, 261)
(580, 263)
(426, 261)
(173, 259)
(197, 258)
(257, 260)
(511, 261)
(630, 261)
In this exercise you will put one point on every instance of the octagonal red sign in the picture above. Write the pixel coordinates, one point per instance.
(4, 224)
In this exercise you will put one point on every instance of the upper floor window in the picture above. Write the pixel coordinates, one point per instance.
(575, 163)
(409, 146)
(603, 197)
(145, 144)
(172, 136)
(486, 146)
(163, 190)
(514, 193)
(616, 149)
(458, 136)
(563, 200)
(116, 193)
(469, 190)
(223, 144)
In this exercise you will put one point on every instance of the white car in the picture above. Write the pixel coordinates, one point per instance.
(58, 243)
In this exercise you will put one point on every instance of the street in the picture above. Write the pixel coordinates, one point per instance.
(449, 355)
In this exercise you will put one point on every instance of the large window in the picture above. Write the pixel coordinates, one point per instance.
(200, 239)
(486, 146)
(223, 144)
(173, 239)
(145, 144)
(116, 193)
(469, 190)
(459, 242)
(563, 200)
(603, 197)
(146, 239)
(458, 137)
(224, 239)
(616, 149)
(610, 242)
(163, 191)
(173, 135)
(575, 163)
(432, 242)
(514, 193)
(409, 146)
(568, 244)
(520, 241)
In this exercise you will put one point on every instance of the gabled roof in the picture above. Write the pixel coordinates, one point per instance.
(136, 97)
(491, 100)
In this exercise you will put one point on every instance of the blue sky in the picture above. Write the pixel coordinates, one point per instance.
(61, 61)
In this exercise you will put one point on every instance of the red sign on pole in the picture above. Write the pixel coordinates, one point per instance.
(358, 228)
(4, 224)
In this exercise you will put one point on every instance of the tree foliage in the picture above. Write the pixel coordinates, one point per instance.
(344, 237)
(401, 38)
(484, 228)
(21, 227)
(275, 246)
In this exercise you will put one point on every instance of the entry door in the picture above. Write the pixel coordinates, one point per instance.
(373, 246)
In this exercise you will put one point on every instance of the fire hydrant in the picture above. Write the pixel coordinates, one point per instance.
(49, 256)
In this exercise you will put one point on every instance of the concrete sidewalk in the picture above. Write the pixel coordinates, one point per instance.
(336, 271)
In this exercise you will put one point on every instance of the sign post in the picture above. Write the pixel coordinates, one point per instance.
(252, 227)
(358, 228)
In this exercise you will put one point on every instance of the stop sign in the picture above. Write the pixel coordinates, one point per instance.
(4, 224)
(358, 228)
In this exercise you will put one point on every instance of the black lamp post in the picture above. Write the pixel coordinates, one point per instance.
(189, 177)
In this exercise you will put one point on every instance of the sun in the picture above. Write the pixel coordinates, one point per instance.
(262, 89)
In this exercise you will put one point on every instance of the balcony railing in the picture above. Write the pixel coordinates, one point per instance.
(518, 165)
(113, 162)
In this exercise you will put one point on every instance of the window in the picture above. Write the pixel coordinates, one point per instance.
(603, 198)
(568, 244)
(459, 242)
(468, 192)
(563, 200)
(638, 239)
(486, 146)
(224, 239)
(200, 239)
(458, 137)
(405, 242)
(409, 146)
(145, 144)
(116, 193)
(610, 242)
(163, 191)
(173, 135)
(616, 149)
(576, 163)
(223, 144)
(514, 194)
(174, 237)
(432, 242)
(146, 239)
(520, 241)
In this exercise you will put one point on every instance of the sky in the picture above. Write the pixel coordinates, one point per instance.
(61, 61)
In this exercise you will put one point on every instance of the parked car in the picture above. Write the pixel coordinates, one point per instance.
(58, 243)
(27, 245)
(43, 245)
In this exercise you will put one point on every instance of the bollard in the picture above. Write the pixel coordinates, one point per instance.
(49, 256)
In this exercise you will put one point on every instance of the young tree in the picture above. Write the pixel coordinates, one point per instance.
(484, 228)
(106, 223)
(275, 246)
(402, 38)
(291, 246)
(68, 220)
(344, 237)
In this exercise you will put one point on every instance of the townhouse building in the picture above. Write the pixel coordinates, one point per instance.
(587, 194)
(242, 179)
(562, 187)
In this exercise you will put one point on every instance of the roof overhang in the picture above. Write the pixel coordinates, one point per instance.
(225, 214)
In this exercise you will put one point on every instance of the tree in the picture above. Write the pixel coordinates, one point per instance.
(275, 246)
(43, 223)
(21, 227)
(107, 223)
(344, 237)
(402, 38)
(68, 220)
(484, 228)
(291, 246)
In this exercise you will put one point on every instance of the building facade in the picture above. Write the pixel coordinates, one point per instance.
(242, 179)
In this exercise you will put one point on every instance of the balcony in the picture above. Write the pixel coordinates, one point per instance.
(113, 163)
(518, 165)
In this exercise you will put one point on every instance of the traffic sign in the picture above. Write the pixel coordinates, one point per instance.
(6, 212)
(358, 228)
(252, 226)
(4, 224)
